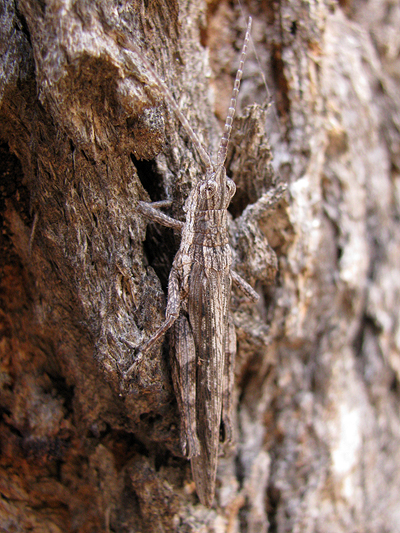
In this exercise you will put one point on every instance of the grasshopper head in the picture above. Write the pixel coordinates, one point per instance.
(217, 190)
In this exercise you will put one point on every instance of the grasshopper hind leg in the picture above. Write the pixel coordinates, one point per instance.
(229, 382)
(184, 379)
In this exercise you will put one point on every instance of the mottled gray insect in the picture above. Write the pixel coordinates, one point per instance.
(199, 289)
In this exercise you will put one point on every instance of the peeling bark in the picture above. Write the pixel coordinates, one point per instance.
(85, 135)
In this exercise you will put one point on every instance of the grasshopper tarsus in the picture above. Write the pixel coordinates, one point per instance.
(128, 373)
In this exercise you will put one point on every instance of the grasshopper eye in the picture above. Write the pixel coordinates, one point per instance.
(209, 189)
(231, 187)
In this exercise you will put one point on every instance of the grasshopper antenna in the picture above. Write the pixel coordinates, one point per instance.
(223, 147)
(168, 95)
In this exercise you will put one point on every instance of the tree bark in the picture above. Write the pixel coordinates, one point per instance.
(86, 134)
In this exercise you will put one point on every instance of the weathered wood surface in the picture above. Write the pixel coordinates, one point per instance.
(85, 136)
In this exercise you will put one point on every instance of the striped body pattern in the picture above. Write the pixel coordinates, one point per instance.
(203, 323)
(199, 287)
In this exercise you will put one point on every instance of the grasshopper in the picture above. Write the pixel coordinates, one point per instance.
(199, 288)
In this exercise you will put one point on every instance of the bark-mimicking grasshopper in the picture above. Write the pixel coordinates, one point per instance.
(199, 288)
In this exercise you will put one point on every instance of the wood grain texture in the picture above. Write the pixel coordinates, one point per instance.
(84, 276)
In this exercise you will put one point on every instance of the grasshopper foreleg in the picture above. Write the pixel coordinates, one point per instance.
(244, 287)
(151, 211)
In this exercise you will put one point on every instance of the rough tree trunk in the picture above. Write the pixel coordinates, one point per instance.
(86, 134)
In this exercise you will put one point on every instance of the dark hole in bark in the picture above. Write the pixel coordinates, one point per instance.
(239, 202)
(149, 178)
(161, 243)
(273, 498)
